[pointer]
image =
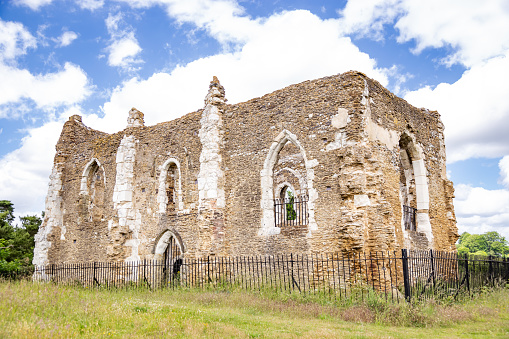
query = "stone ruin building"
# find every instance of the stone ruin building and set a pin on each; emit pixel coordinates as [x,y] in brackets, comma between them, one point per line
[338,164]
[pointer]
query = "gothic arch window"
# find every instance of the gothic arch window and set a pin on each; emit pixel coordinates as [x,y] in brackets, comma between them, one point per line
[407,185]
[414,191]
[169,194]
[286,171]
[92,191]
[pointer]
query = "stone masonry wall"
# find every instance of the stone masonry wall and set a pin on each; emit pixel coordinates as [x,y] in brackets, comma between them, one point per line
[337,140]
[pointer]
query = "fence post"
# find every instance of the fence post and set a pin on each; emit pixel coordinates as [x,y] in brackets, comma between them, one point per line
[208,269]
[490,270]
[406,277]
[94,281]
[467,273]
[506,266]
[432,268]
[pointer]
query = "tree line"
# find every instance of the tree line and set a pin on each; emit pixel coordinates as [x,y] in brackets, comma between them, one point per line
[16,241]
[489,243]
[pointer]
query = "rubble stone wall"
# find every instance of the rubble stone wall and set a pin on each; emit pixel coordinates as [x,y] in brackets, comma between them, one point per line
[356,151]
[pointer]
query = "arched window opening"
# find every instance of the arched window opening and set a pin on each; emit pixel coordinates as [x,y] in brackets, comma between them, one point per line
[407,185]
[290,203]
[169,194]
[170,188]
[414,193]
[93,190]
[286,165]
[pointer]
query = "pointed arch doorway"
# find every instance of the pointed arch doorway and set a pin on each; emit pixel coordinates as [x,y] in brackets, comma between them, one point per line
[169,249]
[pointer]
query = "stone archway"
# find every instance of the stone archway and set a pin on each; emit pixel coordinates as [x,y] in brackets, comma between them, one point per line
[267,183]
[92,191]
[169,194]
[169,250]
[164,239]
[414,193]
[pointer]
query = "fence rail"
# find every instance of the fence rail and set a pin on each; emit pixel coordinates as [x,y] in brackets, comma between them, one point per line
[395,275]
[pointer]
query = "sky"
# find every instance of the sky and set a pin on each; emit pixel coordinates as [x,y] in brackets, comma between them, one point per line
[99,58]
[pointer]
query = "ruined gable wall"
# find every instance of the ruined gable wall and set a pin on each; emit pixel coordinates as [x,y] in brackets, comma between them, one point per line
[177,139]
[395,114]
[347,127]
[307,111]
[81,239]
[73,240]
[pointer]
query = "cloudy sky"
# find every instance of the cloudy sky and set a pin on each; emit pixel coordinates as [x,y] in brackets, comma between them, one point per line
[100,58]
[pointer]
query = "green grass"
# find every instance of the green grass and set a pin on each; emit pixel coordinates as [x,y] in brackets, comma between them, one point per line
[42,310]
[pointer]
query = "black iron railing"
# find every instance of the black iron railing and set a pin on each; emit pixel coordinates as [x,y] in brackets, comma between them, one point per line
[394,275]
[291,211]
[409,218]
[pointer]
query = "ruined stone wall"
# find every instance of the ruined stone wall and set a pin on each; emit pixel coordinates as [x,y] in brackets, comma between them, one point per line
[210,178]
[395,114]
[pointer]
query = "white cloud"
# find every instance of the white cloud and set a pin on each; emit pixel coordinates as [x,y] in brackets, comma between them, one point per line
[33,4]
[24,172]
[289,47]
[475,29]
[123,51]
[504,171]
[473,110]
[36,4]
[223,19]
[368,17]
[63,88]
[67,38]
[112,22]
[14,40]
[90,4]
[124,46]
[479,210]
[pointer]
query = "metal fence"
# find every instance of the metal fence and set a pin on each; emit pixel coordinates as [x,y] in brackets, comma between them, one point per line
[396,276]
[291,211]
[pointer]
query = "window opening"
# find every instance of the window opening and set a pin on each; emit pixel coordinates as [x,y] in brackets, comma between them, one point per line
[93,191]
[170,188]
[409,218]
[289,209]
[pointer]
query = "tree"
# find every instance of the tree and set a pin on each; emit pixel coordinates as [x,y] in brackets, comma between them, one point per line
[490,243]
[6,218]
[290,210]
[16,243]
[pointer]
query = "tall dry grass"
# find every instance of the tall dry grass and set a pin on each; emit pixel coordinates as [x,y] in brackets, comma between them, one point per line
[29,310]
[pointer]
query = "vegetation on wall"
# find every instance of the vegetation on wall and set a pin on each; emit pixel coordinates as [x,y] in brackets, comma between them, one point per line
[489,243]
[16,242]
[290,210]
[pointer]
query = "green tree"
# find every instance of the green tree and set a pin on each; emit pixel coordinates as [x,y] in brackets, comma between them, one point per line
[490,243]
[16,243]
[290,210]
[495,243]
[463,250]
[6,219]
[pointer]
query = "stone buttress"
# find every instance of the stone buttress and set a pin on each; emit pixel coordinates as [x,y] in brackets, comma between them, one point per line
[211,176]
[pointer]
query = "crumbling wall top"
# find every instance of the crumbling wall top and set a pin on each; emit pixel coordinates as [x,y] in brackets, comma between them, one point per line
[216,95]
[135,118]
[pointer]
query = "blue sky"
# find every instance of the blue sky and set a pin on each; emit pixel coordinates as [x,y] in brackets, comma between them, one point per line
[100,58]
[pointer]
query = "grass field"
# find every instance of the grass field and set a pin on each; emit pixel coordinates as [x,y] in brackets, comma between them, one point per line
[40,310]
